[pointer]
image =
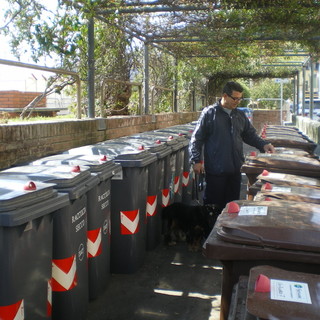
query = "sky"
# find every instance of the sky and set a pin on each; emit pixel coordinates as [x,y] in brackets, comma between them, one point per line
[16,78]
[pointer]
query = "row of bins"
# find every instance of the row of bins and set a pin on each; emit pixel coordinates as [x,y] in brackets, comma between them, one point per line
[69,220]
[269,243]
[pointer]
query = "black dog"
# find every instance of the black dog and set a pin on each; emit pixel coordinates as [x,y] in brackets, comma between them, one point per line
[187,222]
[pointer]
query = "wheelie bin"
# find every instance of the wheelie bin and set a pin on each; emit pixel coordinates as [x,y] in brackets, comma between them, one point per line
[128,202]
[69,282]
[99,214]
[188,179]
[177,143]
[251,233]
[26,212]
[156,191]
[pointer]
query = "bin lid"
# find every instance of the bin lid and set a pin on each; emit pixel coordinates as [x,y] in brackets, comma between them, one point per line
[175,141]
[275,293]
[180,130]
[294,142]
[284,161]
[293,151]
[100,165]
[23,192]
[74,180]
[290,193]
[122,153]
[156,146]
[276,224]
[289,179]
[174,135]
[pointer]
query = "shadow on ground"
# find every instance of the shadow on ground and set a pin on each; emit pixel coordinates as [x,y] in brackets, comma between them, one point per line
[172,284]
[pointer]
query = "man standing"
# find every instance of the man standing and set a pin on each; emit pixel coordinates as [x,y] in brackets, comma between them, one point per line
[220,133]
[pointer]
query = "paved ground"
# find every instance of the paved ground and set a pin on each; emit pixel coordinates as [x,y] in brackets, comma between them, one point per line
[172,284]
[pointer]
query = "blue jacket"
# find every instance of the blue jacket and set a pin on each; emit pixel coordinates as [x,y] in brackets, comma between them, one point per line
[221,138]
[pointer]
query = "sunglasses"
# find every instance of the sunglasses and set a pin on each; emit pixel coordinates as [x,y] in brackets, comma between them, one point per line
[234,99]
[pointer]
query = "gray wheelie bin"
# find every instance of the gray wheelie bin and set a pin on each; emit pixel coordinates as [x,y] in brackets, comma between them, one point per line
[128,202]
[156,192]
[26,212]
[69,283]
[99,214]
[188,182]
[177,143]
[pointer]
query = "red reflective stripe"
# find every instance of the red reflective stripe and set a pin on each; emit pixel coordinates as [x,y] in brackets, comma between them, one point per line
[64,274]
[129,221]
[165,197]
[12,312]
[94,243]
[151,205]
[185,178]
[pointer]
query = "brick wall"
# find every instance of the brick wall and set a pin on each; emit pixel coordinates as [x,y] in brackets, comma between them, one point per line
[27,141]
[261,117]
[20,143]
[19,99]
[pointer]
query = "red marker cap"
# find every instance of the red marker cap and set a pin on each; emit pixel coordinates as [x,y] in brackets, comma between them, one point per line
[262,284]
[233,207]
[75,169]
[268,186]
[30,186]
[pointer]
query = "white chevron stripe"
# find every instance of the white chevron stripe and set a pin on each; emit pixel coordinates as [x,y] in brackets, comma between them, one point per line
[176,185]
[151,207]
[130,225]
[64,279]
[165,199]
[185,180]
[93,246]
[20,312]
[49,293]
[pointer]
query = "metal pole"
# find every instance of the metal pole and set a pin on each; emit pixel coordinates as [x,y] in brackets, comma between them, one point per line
[281,101]
[298,93]
[175,95]
[91,95]
[146,78]
[311,99]
[294,102]
[54,70]
[303,89]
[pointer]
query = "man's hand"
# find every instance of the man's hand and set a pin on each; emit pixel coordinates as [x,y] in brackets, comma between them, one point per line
[268,148]
[198,168]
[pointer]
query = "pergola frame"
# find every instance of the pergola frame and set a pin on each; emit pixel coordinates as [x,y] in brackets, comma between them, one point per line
[163,38]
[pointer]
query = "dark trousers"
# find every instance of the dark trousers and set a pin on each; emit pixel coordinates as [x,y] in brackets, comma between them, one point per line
[221,189]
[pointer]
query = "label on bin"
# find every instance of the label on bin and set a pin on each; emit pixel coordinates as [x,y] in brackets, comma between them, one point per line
[80,219]
[118,176]
[281,189]
[291,291]
[129,221]
[253,211]
[13,311]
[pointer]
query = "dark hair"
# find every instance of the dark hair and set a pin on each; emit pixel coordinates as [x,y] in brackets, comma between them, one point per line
[232,86]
